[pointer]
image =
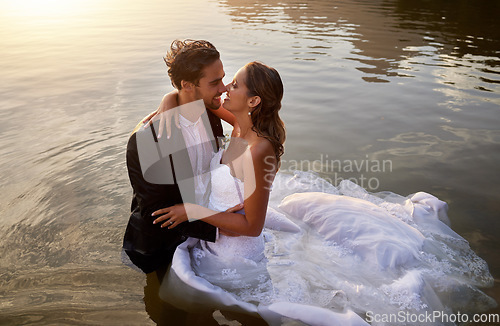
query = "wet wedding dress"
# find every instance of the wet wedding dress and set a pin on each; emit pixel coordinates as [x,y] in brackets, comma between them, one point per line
[331,256]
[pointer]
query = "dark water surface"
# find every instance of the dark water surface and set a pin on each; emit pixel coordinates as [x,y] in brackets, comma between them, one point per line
[414,84]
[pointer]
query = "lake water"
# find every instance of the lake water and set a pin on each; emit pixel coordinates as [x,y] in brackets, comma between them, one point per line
[409,89]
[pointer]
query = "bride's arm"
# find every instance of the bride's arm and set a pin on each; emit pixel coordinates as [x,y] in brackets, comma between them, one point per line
[224,115]
[164,113]
[259,171]
[229,118]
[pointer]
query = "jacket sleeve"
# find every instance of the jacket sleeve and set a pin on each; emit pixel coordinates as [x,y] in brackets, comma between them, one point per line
[150,197]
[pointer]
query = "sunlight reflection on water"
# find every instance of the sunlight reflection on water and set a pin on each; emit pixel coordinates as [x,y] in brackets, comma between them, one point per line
[416,83]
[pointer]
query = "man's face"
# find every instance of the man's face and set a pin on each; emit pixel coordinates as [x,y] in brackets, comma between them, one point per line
[210,86]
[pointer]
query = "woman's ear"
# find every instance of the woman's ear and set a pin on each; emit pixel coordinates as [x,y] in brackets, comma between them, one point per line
[253,101]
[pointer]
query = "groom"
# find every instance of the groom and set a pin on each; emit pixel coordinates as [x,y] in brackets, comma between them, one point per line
[196,70]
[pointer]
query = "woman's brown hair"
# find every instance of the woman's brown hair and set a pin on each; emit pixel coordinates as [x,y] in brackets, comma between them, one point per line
[265,82]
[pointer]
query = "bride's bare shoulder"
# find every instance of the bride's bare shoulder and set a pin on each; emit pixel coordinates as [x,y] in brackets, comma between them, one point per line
[261,149]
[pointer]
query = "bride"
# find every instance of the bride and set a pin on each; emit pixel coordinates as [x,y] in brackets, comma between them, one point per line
[307,251]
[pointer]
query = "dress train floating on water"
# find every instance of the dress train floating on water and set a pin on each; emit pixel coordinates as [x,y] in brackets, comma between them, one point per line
[338,256]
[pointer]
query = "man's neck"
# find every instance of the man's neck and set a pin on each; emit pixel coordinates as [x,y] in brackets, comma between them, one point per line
[191,112]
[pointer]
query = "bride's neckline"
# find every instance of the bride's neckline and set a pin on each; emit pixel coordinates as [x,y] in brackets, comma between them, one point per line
[228,166]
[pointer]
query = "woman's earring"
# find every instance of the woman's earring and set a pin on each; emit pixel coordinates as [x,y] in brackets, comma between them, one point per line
[249,113]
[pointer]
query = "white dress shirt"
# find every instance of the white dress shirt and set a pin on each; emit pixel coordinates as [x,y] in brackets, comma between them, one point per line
[200,154]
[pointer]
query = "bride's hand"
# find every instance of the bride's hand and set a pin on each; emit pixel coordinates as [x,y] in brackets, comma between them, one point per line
[168,108]
[177,214]
[235,208]
[173,215]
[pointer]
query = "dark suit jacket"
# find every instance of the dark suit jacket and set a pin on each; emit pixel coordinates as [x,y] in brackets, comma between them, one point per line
[149,246]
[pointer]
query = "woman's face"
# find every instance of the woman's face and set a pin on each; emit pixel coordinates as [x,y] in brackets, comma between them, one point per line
[237,93]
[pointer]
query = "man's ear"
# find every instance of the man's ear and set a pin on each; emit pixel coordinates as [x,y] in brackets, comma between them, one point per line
[253,101]
[189,86]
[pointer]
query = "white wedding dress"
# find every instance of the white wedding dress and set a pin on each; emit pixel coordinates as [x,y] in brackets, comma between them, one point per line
[331,256]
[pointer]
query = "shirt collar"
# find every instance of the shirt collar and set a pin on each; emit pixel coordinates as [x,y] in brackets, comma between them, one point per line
[188,123]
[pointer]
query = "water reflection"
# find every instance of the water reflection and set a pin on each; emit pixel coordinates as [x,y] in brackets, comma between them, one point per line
[459,167]
[413,81]
[449,148]
[385,35]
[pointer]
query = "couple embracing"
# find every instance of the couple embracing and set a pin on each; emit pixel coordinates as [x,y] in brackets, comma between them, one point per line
[218,196]
[210,212]
[186,186]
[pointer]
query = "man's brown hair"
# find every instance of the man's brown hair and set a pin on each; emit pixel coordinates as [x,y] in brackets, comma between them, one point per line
[186,60]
